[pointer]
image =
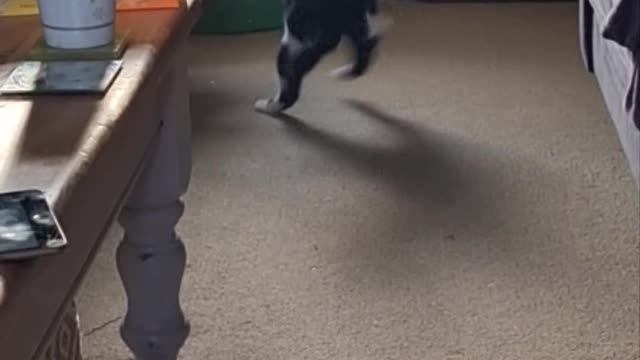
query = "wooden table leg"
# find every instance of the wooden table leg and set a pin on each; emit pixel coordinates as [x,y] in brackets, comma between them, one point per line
[151,258]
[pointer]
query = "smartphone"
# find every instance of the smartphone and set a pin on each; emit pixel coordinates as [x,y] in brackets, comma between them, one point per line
[28,227]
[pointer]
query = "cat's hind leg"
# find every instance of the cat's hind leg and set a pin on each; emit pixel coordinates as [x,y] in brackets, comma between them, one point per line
[364,35]
[295,60]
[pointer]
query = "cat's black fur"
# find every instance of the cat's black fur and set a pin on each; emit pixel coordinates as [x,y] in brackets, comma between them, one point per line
[314,28]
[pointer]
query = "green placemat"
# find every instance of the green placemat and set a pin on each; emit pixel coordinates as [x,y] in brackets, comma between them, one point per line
[113,51]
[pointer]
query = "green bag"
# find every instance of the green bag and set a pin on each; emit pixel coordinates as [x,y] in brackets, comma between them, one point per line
[240,16]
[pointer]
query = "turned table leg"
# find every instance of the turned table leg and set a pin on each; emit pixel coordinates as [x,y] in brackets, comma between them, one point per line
[151,258]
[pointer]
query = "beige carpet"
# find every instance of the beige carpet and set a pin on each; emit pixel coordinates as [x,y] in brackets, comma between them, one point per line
[466,200]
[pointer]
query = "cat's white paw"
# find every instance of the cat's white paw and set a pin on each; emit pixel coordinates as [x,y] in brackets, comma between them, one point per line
[342,73]
[268,106]
[379,24]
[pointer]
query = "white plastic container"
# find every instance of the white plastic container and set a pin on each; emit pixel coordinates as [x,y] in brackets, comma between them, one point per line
[77,24]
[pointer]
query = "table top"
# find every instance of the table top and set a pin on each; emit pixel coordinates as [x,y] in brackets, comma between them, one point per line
[84,152]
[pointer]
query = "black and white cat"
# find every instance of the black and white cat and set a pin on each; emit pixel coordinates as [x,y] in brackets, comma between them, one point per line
[314,28]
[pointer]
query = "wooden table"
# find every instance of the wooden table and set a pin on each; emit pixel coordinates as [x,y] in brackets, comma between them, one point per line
[121,156]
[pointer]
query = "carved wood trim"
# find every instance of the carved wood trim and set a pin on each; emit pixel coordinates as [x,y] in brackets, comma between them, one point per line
[65,343]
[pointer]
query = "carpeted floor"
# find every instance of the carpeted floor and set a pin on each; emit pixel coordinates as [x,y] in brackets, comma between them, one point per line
[466,200]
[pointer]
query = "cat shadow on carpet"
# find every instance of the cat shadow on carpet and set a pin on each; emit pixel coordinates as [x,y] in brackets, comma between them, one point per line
[426,167]
[432,205]
[447,186]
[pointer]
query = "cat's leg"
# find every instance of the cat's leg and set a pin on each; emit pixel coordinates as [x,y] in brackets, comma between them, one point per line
[363,51]
[364,35]
[295,60]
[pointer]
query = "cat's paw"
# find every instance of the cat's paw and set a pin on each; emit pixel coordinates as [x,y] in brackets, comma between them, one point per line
[379,24]
[344,73]
[268,106]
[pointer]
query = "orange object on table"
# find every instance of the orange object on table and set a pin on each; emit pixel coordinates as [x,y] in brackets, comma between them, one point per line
[30,7]
[124,5]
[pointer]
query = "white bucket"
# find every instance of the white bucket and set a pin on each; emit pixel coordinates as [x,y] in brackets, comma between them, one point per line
[77,24]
